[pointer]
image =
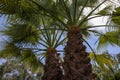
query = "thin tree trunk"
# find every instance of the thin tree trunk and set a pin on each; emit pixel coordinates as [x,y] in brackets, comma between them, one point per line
[52,70]
[76,62]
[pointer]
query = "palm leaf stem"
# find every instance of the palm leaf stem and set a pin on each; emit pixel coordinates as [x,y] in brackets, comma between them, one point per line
[80,13]
[50,12]
[82,21]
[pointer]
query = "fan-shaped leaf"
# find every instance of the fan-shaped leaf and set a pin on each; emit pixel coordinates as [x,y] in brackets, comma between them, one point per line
[103,60]
[109,37]
[10,50]
[22,33]
[29,58]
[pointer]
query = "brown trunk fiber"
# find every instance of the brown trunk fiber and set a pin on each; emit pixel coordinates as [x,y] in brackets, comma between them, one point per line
[76,62]
[52,70]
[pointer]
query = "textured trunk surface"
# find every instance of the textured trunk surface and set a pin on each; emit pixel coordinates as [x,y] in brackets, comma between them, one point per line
[76,62]
[52,70]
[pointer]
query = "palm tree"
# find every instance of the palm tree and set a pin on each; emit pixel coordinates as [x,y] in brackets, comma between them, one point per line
[28,28]
[25,44]
[70,16]
[28,34]
[51,39]
[25,39]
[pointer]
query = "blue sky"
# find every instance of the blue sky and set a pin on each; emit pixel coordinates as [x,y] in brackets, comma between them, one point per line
[111,49]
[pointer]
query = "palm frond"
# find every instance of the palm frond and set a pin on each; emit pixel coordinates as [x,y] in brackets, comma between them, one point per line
[90,13]
[109,38]
[51,38]
[29,58]
[50,11]
[103,60]
[22,33]
[10,50]
[105,11]
[115,16]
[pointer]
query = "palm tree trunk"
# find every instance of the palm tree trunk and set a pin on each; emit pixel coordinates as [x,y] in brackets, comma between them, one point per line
[52,70]
[76,62]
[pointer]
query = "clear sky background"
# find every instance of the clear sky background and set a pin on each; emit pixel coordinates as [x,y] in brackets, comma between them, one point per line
[111,49]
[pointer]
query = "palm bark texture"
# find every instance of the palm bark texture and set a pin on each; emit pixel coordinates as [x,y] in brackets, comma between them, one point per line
[52,69]
[77,64]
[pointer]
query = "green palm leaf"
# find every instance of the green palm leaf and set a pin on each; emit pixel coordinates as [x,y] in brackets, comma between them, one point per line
[115,16]
[30,59]
[103,60]
[10,50]
[109,38]
[22,33]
